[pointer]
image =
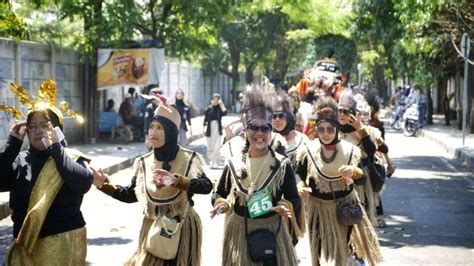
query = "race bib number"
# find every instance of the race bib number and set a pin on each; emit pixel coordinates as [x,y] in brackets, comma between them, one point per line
[260,203]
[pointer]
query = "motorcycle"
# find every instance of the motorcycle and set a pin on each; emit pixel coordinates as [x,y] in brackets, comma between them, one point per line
[409,121]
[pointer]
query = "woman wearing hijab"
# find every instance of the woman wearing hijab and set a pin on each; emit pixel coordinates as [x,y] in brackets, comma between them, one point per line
[327,167]
[164,182]
[251,191]
[353,111]
[185,113]
[47,183]
[283,122]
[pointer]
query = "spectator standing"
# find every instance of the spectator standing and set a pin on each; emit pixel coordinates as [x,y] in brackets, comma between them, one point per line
[213,128]
[185,112]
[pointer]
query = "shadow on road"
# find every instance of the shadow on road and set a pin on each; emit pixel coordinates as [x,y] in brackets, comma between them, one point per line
[103,241]
[426,203]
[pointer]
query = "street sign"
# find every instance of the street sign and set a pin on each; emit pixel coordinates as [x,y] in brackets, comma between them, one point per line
[465,47]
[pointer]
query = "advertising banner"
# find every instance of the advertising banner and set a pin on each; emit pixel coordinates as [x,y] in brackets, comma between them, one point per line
[129,67]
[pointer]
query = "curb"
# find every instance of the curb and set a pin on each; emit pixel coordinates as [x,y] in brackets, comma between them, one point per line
[445,146]
[463,155]
[466,157]
[5,210]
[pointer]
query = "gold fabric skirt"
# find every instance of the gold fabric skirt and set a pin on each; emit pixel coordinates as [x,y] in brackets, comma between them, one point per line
[68,248]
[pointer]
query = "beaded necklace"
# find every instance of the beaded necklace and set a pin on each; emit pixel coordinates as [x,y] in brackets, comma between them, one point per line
[259,172]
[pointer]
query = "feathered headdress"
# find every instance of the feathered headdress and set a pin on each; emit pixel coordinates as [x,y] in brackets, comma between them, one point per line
[45,99]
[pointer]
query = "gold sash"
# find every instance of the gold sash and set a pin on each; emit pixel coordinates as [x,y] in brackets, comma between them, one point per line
[44,192]
[47,186]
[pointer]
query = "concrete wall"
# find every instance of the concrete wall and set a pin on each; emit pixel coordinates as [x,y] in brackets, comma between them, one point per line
[29,64]
[198,87]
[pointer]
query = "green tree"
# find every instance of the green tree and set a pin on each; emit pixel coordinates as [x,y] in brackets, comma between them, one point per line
[333,46]
[11,25]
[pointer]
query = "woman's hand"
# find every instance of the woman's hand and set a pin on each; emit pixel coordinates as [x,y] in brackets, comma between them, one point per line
[282,211]
[221,208]
[304,192]
[50,136]
[18,130]
[355,122]
[100,178]
[163,177]
[346,171]
[228,132]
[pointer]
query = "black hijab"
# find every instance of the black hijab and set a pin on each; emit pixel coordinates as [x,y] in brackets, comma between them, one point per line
[290,123]
[346,128]
[336,126]
[170,149]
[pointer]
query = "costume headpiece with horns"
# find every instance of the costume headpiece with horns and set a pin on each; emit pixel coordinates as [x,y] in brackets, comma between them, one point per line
[44,100]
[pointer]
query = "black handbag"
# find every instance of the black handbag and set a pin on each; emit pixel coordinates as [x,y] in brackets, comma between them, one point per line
[377,173]
[348,213]
[262,243]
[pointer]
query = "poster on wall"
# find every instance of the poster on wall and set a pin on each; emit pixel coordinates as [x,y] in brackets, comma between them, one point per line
[129,67]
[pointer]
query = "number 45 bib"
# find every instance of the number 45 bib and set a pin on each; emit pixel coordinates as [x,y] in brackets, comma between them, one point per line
[259,203]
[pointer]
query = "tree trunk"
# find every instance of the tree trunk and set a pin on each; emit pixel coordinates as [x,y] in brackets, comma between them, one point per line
[429,107]
[457,88]
[235,61]
[444,100]
[249,77]
[92,94]
[379,78]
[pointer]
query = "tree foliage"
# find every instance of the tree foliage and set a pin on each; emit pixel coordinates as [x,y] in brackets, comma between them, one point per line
[11,25]
[333,46]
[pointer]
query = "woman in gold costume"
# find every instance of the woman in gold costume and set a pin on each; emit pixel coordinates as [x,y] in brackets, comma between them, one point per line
[47,183]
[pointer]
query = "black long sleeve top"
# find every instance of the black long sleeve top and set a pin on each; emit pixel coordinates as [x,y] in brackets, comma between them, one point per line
[20,172]
[287,190]
[199,185]
[213,112]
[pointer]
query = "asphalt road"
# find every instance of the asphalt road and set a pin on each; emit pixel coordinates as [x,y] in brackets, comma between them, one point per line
[428,204]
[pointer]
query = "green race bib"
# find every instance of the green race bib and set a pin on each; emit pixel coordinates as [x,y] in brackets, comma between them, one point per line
[260,203]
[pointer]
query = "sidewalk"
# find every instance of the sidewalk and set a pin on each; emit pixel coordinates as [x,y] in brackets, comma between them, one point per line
[114,157]
[449,137]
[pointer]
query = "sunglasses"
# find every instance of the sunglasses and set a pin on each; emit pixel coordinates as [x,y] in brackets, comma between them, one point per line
[346,111]
[329,130]
[34,128]
[279,115]
[265,128]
